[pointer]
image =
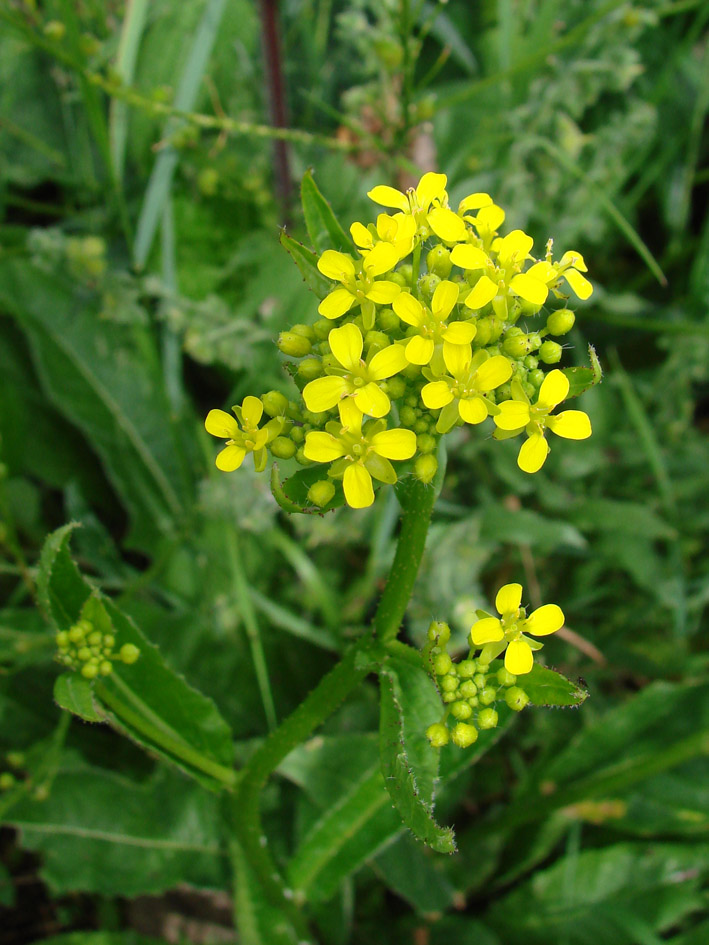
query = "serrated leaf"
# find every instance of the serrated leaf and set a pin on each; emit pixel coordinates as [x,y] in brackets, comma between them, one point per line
[323,227]
[75,694]
[583,378]
[546,687]
[306,261]
[409,703]
[147,701]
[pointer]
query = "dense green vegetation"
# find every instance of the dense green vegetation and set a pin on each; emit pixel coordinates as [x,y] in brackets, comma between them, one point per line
[142,283]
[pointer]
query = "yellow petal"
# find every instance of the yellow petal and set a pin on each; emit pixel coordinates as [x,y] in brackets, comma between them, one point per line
[543,271]
[571,424]
[513,415]
[230,458]
[395,444]
[384,293]
[436,394]
[323,447]
[336,303]
[474,202]
[387,362]
[487,630]
[447,225]
[469,257]
[361,236]
[357,484]
[251,411]
[457,358]
[380,468]
[554,389]
[336,265]
[460,333]
[490,218]
[350,416]
[431,187]
[493,372]
[419,350]
[324,392]
[260,439]
[509,598]
[388,197]
[371,400]
[381,259]
[514,248]
[408,309]
[544,620]
[444,298]
[581,286]
[518,658]
[220,423]
[533,453]
[572,258]
[529,288]
[346,344]
[472,409]
[484,291]
[386,227]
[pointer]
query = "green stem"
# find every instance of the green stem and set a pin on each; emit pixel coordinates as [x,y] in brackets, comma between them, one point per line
[416,500]
[415,268]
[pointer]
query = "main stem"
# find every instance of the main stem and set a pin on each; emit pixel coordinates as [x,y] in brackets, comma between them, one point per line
[417,504]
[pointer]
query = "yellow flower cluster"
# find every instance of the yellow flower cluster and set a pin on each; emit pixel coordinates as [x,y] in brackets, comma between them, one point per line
[418,334]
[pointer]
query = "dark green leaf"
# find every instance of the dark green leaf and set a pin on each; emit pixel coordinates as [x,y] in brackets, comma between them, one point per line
[613,515]
[582,378]
[545,687]
[415,874]
[259,922]
[306,261]
[75,694]
[409,704]
[324,229]
[523,526]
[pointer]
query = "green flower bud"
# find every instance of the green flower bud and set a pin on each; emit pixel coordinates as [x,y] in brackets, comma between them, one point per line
[15,759]
[293,345]
[487,718]
[297,434]
[76,633]
[466,669]
[468,689]
[550,352]
[536,378]
[480,679]
[274,403]
[530,362]
[109,641]
[428,285]
[330,361]
[439,633]
[411,371]
[407,416]
[484,331]
[7,781]
[437,735]
[535,341]
[515,346]
[464,735]
[449,696]
[505,677]
[55,30]
[388,320]
[442,664]
[516,698]
[128,653]
[425,467]
[84,654]
[283,447]
[62,640]
[406,271]
[561,322]
[396,387]
[301,458]
[322,328]
[95,638]
[89,670]
[503,392]
[321,492]
[439,262]
[398,279]
[461,711]
[305,331]
[376,340]
[488,695]
[421,425]
[105,668]
[448,683]
[425,443]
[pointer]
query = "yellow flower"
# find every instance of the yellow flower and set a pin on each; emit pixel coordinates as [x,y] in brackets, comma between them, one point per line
[430,324]
[242,437]
[513,416]
[512,625]
[570,268]
[399,231]
[359,379]
[426,205]
[358,455]
[359,285]
[462,394]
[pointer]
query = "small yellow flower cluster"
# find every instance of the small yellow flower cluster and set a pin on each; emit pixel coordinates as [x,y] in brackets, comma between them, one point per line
[90,651]
[402,354]
[470,688]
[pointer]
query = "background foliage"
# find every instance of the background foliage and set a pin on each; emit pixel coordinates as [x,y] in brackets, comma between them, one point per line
[141,283]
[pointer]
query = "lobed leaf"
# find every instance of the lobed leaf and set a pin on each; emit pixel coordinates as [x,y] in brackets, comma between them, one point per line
[323,227]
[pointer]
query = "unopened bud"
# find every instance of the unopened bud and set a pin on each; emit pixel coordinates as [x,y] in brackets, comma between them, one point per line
[396,387]
[505,677]
[129,653]
[464,735]
[293,345]
[388,320]
[561,322]
[437,735]
[428,285]
[274,403]
[515,346]
[550,352]
[305,331]
[425,467]
[439,262]
[516,698]
[461,711]
[442,664]
[487,718]
[321,492]
[283,447]
[439,633]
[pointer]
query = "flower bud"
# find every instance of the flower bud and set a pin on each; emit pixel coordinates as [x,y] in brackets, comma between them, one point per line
[466,669]
[128,653]
[461,711]
[297,434]
[505,677]
[310,368]
[487,718]
[468,689]
[274,403]
[105,668]
[550,352]
[442,664]
[439,262]
[7,781]
[301,458]
[449,696]
[425,467]
[561,322]
[406,272]
[536,378]
[283,447]
[484,331]
[425,443]
[54,29]
[448,683]
[305,331]
[439,633]
[488,695]
[398,279]
[396,387]
[464,735]
[535,342]
[407,416]
[89,670]
[321,492]
[293,345]
[76,633]
[375,340]
[428,285]
[437,735]
[480,679]
[516,698]
[515,346]
[388,320]
[322,328]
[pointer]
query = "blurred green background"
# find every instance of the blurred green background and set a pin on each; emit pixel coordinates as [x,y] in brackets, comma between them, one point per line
[141,283]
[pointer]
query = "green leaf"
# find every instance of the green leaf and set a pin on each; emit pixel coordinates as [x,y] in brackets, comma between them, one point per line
[613,515]
[413,873]
[146,700]
[306,261]
[523,526]
[259,922]
[582,378]
[324,229]
[75,694]
[296,487]
[545,687]
[409,704]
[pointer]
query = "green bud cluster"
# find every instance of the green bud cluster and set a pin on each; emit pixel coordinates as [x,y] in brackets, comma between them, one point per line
[469,690]
[90,651]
